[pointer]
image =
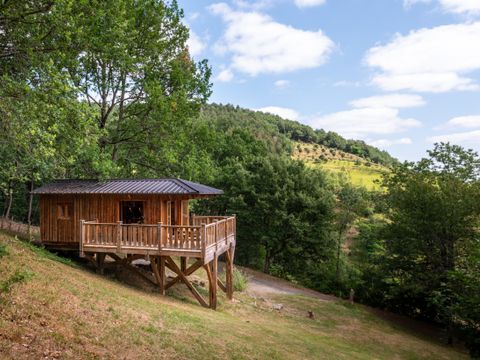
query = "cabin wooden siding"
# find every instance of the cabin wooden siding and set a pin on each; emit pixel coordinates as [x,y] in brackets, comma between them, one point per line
[104,208]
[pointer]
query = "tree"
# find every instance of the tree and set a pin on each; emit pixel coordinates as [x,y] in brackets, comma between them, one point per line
[284,211]
[434,214]
[351,204]
[134,68]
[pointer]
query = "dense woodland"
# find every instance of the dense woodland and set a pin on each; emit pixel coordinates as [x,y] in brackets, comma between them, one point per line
[105,89]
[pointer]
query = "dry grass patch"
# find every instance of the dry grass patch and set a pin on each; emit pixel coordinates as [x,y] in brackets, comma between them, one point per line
[65,311]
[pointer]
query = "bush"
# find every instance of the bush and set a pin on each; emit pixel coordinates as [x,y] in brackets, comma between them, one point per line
[18,277]
[240,280]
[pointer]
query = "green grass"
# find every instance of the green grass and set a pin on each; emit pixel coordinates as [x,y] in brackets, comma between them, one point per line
[355,169]
[75,313]
[19,276]
[360,175]
[3,250]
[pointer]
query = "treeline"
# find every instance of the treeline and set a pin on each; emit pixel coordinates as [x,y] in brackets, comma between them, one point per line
[300,132]
[105,89]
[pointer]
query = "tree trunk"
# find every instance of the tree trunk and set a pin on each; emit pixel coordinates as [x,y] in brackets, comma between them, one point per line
[30,203]
[9,201]
[339,251]
[266,264]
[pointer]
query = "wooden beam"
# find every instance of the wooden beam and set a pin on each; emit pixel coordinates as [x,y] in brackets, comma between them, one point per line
[221,285]
[183,263]
[208,270]
[229,272]
[162,274]
[155,268]
[194,267]
[100,257]
[214,281]
[173,266]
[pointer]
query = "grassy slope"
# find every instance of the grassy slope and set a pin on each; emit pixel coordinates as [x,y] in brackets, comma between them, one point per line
[353,167]
[65,311]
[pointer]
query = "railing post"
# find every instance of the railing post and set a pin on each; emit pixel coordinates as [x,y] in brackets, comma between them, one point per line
[226,231]
[203,240]
[119,235]
[216,235]
[159,235]
[82,237]
[234,228]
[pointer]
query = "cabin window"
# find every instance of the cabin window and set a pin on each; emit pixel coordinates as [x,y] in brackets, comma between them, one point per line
[171,213]
[132,212]
[64,211]
[185,213]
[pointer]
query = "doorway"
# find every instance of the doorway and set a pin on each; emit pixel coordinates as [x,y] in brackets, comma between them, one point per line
[132,212]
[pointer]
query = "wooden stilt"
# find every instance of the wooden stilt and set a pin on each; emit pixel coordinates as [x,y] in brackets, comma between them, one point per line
[213,283]
[100,257]
[162,275]
[183,263]
[208,270]
[229,273]
[154,264]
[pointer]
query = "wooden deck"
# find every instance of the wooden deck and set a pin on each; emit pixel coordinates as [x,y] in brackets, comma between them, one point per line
[207,237]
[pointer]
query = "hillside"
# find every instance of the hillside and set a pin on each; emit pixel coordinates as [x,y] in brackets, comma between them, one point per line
[356,169]
[354,160]
[274,125]
[52,308]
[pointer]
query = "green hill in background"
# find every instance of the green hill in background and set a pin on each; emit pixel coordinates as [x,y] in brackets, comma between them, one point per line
[356,161]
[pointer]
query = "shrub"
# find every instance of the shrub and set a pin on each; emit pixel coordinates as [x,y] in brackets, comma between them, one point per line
[240,280]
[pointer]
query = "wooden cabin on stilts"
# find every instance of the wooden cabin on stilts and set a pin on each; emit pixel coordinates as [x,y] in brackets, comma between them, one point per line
[135,219]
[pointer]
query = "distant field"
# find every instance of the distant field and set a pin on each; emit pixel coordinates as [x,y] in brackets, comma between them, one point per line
[356,169]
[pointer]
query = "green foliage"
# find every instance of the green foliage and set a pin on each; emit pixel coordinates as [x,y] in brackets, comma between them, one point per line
[18,277]
[283,209]
[432,238]
[240,280]
[3,250]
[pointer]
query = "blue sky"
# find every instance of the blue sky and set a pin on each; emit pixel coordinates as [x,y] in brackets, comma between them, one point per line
[399,74]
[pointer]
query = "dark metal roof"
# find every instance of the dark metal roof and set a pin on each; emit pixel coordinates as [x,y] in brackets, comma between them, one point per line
[127,186]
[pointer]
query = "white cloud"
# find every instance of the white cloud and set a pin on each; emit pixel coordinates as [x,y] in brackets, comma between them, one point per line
[281,83]
[460,138]
[428,60]
[466,122]
[195,44]
[409,3]
[345,83]
[258,44]
[253,5]
[225,75]
[385,143]
[461,6]
[309,3]
[361,123]
[467,7]
[424,82]
[285,113]
[396,101]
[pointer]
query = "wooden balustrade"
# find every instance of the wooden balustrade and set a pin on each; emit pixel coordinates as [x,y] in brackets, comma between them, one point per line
[197,240]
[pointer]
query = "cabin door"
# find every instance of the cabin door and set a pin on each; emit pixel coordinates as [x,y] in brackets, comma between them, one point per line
[64,222]
[132,212]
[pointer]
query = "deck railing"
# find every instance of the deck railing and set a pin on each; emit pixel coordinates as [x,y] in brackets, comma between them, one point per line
[207,234]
